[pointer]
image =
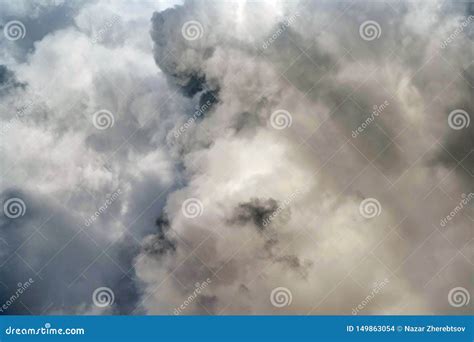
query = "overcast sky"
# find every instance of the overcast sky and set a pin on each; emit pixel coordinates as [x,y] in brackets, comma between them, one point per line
[300,157]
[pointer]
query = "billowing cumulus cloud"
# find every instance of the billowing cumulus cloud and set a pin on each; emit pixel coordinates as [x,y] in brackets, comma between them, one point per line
[238,157]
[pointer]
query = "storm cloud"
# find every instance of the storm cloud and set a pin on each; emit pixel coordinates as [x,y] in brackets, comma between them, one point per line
[321,144]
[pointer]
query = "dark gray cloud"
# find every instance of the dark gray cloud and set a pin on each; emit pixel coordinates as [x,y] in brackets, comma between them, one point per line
[40,18]
[331,81]
[48,110]
[274,120]
[256,211]
[8,80]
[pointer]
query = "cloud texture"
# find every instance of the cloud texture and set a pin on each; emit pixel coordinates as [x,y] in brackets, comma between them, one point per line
[311,146]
